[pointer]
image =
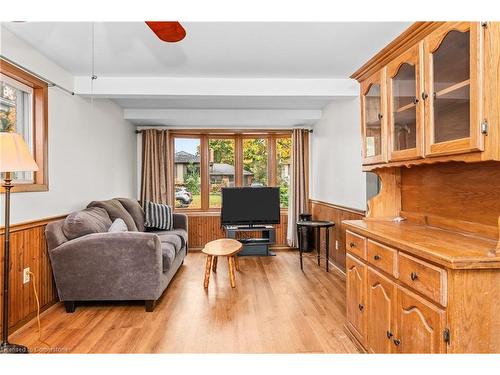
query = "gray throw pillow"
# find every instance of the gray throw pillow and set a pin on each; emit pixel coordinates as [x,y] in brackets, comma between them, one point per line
[116,210]
[159,216]
[135,210]
[118,226]
[87,221]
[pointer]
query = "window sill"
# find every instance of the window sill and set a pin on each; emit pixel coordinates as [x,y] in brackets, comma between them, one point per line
[26,188]
[209,212]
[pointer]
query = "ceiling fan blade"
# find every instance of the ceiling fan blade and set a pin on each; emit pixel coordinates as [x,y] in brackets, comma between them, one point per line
[168,31]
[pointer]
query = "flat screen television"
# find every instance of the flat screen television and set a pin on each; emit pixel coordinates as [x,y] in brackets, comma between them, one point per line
[250,206]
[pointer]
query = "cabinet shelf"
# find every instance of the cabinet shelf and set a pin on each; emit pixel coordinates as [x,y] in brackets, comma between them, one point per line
[455,87]
[405,107]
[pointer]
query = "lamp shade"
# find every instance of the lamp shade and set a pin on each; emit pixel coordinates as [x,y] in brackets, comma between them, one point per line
[15,155]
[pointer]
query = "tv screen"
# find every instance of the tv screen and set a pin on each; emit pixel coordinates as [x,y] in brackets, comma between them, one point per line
[250,206]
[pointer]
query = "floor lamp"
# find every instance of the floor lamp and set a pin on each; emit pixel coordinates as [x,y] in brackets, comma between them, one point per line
[14,157]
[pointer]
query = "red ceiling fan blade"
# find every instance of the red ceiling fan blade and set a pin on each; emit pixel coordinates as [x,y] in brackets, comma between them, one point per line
[168,31]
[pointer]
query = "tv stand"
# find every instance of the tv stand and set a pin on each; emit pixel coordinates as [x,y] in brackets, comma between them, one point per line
[253,245]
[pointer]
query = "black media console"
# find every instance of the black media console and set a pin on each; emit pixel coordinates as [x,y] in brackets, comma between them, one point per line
[252,245]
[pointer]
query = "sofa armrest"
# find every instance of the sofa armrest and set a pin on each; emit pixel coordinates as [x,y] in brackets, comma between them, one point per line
[108,266]
[180,221]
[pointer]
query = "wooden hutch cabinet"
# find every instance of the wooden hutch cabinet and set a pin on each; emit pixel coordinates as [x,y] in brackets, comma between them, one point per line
[425,99]
[423,266]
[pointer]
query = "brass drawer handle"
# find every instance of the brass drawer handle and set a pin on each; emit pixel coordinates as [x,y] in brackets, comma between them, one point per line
[377,257]
[413,276]
[397,342]
[361,307]
[352,244]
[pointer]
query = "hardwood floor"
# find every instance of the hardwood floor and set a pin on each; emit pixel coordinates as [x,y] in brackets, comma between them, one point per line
[275,308]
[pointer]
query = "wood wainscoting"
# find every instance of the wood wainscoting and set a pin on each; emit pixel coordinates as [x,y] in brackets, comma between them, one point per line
[205,227]
[28,248]
[327,211]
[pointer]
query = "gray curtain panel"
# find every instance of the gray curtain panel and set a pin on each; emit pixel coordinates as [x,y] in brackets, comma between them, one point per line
[156,167]
[299,190]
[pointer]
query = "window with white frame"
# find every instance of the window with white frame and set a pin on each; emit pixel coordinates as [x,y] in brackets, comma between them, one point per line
[16,115]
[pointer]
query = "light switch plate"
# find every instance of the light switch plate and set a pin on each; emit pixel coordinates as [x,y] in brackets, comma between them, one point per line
[26,275]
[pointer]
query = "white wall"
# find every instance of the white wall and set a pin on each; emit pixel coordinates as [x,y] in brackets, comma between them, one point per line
[336,175]
[92,149]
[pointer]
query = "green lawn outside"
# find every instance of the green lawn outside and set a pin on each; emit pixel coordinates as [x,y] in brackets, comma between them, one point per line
[215,201]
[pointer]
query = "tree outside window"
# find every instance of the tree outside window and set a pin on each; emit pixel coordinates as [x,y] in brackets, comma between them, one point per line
[283,164]
[255,162]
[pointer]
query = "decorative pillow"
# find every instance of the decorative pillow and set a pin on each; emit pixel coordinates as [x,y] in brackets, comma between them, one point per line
[159,216]
[118,226]
[115,211]
[87,221]
[135,210]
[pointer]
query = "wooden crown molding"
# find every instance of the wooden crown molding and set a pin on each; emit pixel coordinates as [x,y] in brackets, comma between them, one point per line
[412,35]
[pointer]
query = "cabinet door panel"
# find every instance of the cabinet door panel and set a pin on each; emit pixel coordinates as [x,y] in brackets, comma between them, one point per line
[453,87]
[356,304]
[420,325]
[405,108]
[380,313]
[373,118]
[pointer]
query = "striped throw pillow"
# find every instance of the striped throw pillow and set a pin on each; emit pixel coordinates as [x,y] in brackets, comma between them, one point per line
[159,216]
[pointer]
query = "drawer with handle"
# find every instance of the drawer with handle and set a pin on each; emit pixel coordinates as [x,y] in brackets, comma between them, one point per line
[423,277]
[382,257]
[355,244]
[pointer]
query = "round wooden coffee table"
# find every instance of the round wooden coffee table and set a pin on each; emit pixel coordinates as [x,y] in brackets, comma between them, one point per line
[224,247]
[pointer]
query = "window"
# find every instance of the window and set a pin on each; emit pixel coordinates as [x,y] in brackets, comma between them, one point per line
[255,171]
[221,168]
[23,110]
[205,163]
[16,106]
[283,164]
[187,175]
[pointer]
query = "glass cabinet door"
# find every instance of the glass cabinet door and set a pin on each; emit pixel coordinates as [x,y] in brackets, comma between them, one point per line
[453,70]
[373,119]
[405,109]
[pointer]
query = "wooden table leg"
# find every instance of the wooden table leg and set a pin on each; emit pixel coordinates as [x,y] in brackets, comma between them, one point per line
[208,264]
[214,264]
[236,262]
[231,271]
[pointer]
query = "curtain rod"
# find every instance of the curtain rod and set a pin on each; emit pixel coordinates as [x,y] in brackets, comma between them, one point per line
[48,81]
[138,131]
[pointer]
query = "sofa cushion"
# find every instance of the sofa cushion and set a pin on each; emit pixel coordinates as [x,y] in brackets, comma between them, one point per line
[135,210]
[159,216]
[172,239]
[167,255]
[118,226]
[115,210]
[178,237]
[87,221]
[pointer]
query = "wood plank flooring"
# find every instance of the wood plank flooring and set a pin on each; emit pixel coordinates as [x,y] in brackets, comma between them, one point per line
[275,308]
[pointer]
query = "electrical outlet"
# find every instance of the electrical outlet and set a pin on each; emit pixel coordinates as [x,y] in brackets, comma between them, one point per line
[26,275]
[336,245]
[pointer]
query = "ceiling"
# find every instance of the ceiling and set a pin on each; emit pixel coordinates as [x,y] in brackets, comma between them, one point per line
[227,73]
[212,49]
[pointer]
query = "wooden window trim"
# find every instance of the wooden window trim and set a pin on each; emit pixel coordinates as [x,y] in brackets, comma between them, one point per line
[40,126]
[237,136]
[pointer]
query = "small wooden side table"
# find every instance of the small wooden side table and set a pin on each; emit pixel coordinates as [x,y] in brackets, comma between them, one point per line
[224,247]
[316,226]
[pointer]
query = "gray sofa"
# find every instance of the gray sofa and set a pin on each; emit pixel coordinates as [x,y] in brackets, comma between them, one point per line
[91,264]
